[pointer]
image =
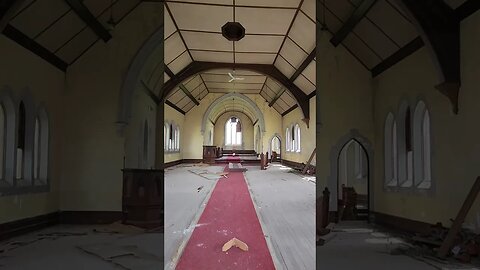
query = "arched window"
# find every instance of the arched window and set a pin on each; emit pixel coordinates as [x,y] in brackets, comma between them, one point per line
[421,146]
[233,132]
[405,149]
[297,138]
[165,137]
[21,140]
[3,129]
[177,138]
[41,148]
[293,145]
[390,151]
[287,140]
[170,137]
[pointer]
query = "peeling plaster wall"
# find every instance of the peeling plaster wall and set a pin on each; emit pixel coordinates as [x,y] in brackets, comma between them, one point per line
[455,140]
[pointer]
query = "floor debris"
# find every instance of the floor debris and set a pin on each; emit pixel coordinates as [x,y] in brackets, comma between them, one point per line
[119,228]
[129,256]
[234,242]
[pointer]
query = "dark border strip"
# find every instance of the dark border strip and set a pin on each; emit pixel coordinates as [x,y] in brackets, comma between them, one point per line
[400,224]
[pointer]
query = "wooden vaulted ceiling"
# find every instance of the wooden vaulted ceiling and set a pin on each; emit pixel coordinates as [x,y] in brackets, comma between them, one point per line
[278,33]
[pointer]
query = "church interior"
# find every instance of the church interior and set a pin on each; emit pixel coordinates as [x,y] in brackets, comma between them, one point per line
[239,134]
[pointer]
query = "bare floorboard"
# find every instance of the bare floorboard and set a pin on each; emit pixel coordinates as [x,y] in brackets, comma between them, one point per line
[286,207]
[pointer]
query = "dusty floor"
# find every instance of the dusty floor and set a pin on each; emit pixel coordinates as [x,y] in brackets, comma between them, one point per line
[64,247]
[360,246]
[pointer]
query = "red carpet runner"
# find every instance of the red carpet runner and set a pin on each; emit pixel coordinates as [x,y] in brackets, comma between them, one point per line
[229,213]
[233,159]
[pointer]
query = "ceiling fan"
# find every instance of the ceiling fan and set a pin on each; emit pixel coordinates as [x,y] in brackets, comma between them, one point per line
[233,78]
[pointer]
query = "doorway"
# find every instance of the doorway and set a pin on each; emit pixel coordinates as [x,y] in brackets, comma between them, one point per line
[353,180]
[275,149]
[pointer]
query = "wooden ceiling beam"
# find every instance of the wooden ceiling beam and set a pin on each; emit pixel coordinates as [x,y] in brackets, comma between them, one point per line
[181,86]
[440,30]
[31,45]
[467,8]
[398,56]
[269,70]
[82,11]
[352,21]
[295,75]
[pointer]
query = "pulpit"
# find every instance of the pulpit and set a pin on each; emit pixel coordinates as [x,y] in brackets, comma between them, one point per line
[209,154]
[142,200]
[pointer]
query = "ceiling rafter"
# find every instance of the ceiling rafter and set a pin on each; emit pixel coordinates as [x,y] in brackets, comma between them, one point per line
[31,45]
[398,56]
[441,33]
[269,70]
[82,11]
[297,73]
[352,21]
[297,10]
[181,86]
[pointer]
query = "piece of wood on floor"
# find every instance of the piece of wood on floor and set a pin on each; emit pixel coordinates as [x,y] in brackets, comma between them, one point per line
[234,242]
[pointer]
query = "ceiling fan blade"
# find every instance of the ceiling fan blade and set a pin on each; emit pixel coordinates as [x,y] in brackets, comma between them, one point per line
[240,79]
[232,79]
[231,76]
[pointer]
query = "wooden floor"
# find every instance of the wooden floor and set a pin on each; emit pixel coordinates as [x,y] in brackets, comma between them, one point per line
[284,203]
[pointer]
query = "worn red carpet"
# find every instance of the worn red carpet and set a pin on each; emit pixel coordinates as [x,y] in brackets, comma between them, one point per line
[229,213]
[233,159]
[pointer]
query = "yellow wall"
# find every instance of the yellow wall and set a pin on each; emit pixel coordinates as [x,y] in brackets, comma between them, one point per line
[94,151]
[23,71]
[454,138]
[178,119]
[307,134]
[192,148]
[344,98]
[247,130]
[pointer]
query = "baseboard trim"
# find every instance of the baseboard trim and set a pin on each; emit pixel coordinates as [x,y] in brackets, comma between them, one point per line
[172,163]
[401,224]
[26,225]
[90,217]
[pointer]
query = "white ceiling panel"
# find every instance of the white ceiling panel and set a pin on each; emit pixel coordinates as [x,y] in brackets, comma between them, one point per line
[43,12]
[292,53]
[200,17]
[255,43]
[265,21]
[375,39]
[254,58]
[284,67]
[212,56]
[309,8]
[207,41]
[304,84]
[180,62]
[169,25]
[269,3]
[173,47]
[75,48]
[303,33]
[59,33]
[365,54]
[310,72]
[97,6]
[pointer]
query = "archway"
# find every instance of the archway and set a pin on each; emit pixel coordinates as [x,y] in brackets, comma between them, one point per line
[335,152]
[275,148]
[353,182]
